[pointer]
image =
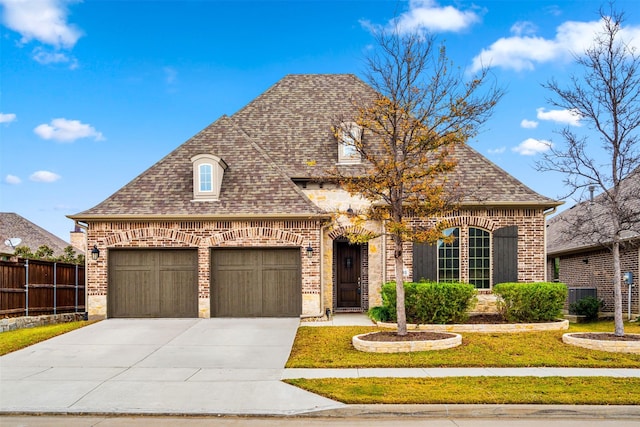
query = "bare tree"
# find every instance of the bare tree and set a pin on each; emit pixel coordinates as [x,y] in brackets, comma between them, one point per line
[406,137]
[606,97]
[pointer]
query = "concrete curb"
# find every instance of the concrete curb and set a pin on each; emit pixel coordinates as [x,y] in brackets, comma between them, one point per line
[481,411]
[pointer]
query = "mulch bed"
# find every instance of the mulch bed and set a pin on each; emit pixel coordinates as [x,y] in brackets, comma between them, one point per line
[607,336]
[411,336]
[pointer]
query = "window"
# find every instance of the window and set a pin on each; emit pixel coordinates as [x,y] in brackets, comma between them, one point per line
[208,171]
[479,258]
[350,135]
[205,178]
[449,257]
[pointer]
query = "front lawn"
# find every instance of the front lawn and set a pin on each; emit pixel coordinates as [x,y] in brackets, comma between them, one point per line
[330,347]
[477,390]
[21,338]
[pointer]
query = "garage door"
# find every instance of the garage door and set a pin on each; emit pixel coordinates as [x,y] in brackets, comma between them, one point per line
[153,283]
[256,282]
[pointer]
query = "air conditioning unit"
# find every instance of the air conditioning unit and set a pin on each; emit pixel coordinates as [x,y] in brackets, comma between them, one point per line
[576,294]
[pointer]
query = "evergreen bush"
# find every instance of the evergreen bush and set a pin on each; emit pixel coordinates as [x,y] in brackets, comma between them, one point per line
[531,302]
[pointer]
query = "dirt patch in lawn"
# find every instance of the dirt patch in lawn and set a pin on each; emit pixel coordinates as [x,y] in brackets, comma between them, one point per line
[386,336]
[608,336]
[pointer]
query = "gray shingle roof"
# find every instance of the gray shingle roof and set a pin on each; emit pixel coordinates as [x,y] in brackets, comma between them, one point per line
[252,185]
[564,236]
[13,225]
[284,133]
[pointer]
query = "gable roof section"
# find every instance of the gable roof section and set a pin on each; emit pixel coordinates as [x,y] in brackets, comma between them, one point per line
[252,185]
[282,135]
[484,183]
[13,225]
[292,120]
[560,237]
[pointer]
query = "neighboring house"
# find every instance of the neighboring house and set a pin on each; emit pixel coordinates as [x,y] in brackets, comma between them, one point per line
[13,226]
[586,265]
[243,220]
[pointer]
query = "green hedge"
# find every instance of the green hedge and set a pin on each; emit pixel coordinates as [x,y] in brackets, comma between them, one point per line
[428,302]
[531,302]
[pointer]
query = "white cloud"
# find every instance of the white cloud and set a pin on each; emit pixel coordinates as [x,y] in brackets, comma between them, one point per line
[523,27]
[41,20]
[523,52]
[569,117]
[528,124]
[531,147]
[497,150]
[12,179]
[170,75]
[7,118]
[44,57]
[44,176]
[64,130]
[430,16]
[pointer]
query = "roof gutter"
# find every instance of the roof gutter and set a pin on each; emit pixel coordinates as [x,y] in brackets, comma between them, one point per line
[164,217]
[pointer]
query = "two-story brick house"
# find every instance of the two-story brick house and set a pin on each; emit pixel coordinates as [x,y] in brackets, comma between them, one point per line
[243,219]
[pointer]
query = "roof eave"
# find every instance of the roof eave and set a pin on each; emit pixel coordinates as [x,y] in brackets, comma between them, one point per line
[164,217]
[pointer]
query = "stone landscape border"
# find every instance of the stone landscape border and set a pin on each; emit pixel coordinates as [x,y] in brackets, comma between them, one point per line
[405,346]
[602,345]
[560,325]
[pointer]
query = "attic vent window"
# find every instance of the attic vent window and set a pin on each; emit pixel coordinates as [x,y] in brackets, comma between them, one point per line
[349,134]
[208,171]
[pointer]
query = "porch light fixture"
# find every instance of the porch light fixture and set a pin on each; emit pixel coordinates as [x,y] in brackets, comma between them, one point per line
[95,253]
[309,251]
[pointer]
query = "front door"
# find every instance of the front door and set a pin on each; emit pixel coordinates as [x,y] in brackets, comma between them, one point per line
[348,268]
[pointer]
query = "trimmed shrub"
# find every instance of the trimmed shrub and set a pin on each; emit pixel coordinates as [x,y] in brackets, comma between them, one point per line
[431,302]
[531,302]
[588,306]
[379,313]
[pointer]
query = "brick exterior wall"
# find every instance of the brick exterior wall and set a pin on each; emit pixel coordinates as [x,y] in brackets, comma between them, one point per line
[531,240]
[597,272]
[317,280]
[203,235]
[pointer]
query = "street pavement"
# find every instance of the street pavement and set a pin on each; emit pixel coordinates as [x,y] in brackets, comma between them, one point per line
[224,367]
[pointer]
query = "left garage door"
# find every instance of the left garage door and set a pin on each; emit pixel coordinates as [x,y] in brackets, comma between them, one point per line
[152,283]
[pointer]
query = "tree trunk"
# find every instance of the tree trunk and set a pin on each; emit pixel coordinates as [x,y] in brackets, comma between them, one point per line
[401,311]
[617,290]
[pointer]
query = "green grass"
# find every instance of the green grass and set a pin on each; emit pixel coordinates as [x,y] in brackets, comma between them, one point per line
[330,347]
[21,338]
[478,390]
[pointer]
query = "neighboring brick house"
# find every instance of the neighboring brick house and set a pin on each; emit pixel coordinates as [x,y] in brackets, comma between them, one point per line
[243,220]
[586,265]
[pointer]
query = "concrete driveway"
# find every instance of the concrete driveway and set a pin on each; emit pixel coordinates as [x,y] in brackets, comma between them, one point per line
[159,366]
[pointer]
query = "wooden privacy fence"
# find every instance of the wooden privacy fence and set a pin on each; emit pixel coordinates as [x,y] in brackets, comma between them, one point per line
[35,287]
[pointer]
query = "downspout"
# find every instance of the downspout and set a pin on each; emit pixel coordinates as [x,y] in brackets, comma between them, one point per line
[322,309]
[546,261]
[85,227]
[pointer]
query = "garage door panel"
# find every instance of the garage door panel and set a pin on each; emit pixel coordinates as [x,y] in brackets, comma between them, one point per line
[278,296]
[153,283]
[176,288]
[255,282]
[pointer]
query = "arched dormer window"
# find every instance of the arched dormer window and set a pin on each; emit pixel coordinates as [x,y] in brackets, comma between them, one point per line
[208,171]
[349,135]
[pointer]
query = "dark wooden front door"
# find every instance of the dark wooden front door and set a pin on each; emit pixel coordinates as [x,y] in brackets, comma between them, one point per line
[348,270]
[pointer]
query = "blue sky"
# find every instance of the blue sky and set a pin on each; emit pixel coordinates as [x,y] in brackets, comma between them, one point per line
[95,92]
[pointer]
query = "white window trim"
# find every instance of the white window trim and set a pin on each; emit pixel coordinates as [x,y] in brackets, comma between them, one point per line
[349,131]
[218,166]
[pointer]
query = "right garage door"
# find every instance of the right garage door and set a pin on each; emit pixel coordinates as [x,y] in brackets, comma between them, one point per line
[256,282]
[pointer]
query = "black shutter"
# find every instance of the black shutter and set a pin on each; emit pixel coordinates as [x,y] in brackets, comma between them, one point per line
[505,249]
[425,262]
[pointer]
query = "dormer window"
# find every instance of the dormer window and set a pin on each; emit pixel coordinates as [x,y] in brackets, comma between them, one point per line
[350,134]
[208,171]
